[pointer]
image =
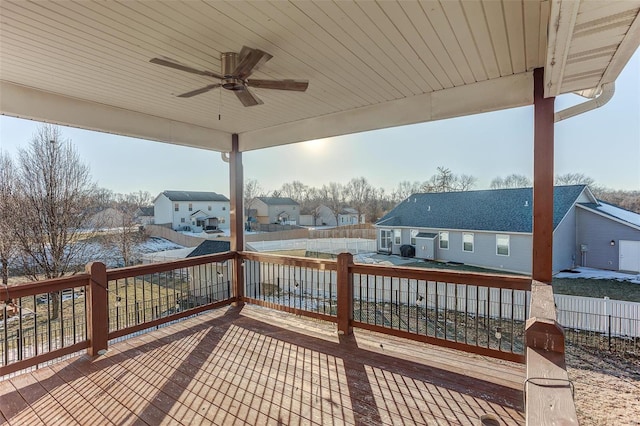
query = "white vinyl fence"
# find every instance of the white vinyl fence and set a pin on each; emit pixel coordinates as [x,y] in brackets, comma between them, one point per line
[612,317]
[617,317]
[322,245]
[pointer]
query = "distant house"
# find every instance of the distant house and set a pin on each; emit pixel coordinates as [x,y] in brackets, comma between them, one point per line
[493,229]
[349,216]
[191,210]
[108,218]
[145,216]
[280,210]
[324,216]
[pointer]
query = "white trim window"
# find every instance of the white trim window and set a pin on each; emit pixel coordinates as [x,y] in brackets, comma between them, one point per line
[503,244]
[397,237]
[443,240]
[385,239]
[414,232]
[467,242]
[176,207]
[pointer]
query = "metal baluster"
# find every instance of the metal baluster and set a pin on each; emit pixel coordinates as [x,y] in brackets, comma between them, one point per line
[477,342]
[455,313]
[49,296]
[61,320]
[466,312]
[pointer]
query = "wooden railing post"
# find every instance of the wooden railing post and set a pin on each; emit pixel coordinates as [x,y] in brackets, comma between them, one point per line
[345,294]
[97,315]
[548,391]
[542,331]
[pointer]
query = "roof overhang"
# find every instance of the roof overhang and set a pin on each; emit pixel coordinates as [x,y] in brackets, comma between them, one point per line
[371,65]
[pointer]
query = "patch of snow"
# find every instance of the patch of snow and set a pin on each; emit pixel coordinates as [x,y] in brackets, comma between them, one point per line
[155,244]
[599,274]
[166,255]
[622,214]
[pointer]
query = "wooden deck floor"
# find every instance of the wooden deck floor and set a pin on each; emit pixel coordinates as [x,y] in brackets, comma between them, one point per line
[257,366]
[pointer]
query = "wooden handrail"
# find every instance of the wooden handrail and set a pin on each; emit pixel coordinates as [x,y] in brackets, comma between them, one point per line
[303,262]
[488,280]
[45,286]
[152,268]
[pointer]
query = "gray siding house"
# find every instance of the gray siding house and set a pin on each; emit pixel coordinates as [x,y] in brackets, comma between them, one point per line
[608,237]
[493,229]
[281,210]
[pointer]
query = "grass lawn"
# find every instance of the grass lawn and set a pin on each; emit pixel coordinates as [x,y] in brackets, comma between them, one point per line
[456,267]
[598,288]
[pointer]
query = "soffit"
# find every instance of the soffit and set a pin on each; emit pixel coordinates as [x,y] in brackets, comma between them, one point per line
[370,64]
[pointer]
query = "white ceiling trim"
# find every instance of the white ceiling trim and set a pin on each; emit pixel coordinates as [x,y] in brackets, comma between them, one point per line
[23,102]
[491,95]
[561,24]
[623,54]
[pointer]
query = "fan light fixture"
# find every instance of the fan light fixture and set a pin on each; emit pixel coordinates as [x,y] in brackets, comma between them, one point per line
[236,69]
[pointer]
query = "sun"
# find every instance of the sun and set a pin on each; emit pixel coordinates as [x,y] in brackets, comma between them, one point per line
[316,146]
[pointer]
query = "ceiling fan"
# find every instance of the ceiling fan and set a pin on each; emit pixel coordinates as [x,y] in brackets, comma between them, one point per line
[236,69]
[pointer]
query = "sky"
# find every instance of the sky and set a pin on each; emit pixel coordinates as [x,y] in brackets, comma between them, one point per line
[603,144]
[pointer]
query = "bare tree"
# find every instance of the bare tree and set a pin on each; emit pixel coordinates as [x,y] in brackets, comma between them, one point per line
[446,181]
[466,182]
[357,193]
[251,190]
[511,181]
[332,196]
[7,214]
[405,189]
[104,198]
[56,196]
[124,232]
[574,179]
[379,203]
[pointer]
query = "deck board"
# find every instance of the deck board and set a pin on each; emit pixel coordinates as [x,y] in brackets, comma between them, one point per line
[258,366]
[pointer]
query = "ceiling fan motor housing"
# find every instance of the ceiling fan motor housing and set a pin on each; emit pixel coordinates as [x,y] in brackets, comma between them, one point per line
[229,64]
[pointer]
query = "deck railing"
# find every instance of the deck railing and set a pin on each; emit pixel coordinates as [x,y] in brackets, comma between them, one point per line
[298,285]
[478,313]
[148,295]
[42,321]
[45,320]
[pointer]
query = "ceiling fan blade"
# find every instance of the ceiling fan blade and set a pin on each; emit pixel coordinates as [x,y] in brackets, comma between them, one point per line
[297,85]
[177,65]
[253,58]
[247,98]
[198,91]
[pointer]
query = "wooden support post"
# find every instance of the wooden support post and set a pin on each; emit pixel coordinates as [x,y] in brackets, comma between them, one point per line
[542,264]
[237,218]
[97,309]
[345,294]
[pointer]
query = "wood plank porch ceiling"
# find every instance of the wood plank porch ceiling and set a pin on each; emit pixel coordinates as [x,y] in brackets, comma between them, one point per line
[262,367]
[371,64]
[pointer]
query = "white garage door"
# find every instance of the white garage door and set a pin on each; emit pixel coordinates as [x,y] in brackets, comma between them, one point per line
[629,256]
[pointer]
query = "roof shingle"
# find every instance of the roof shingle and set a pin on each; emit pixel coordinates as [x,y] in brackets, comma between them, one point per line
[278,201]
[194,196]
[502,210]
[210,247]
